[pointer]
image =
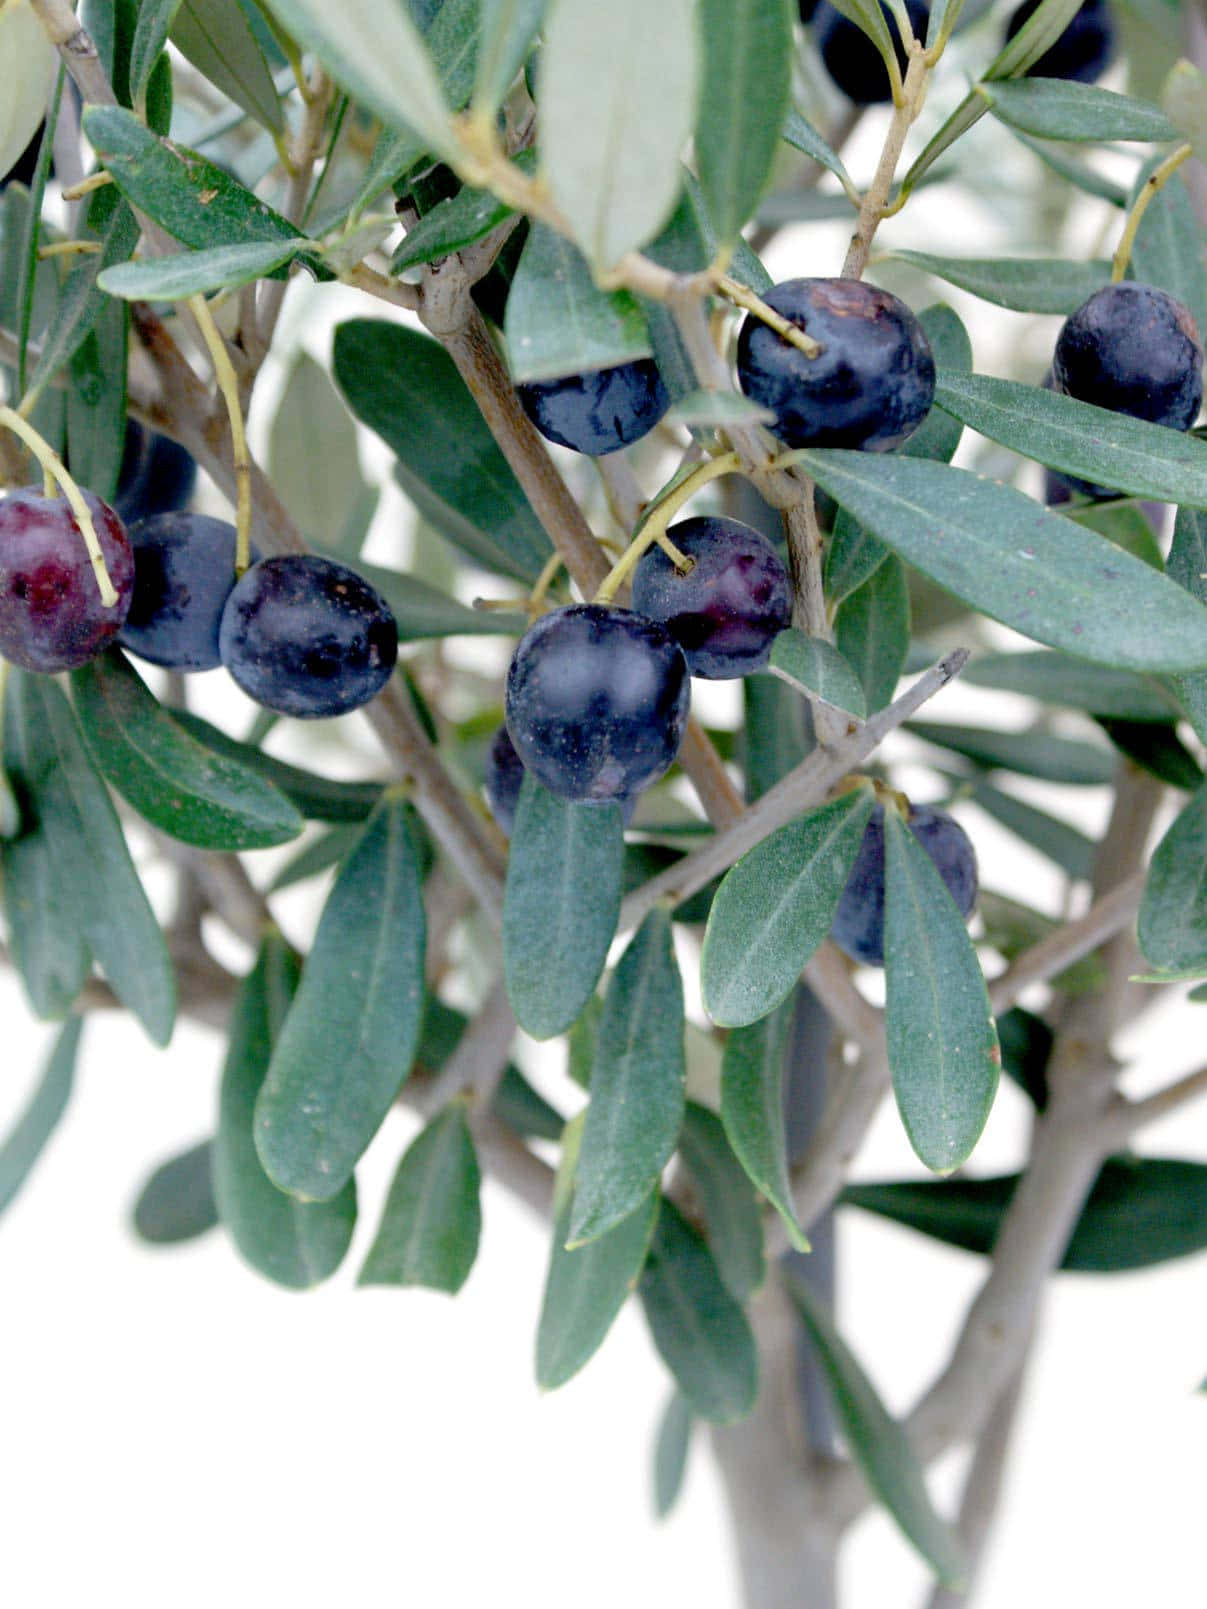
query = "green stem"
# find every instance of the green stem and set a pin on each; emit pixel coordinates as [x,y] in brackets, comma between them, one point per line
[654,528]
[1152,185]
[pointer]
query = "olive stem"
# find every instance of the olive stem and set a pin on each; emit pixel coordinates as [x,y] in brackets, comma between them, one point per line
[55,473]
[875,201]
[741,296]
[228,385]
[657,521]
[1155,182]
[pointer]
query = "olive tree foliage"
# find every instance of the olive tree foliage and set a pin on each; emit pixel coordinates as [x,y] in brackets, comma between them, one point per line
[536,188]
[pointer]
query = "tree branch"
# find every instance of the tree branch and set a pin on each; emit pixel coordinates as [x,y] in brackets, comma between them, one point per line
[806,785]
[74,44]
[1104,919]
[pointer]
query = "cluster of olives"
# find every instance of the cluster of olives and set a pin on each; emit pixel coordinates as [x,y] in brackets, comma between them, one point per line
[301,635]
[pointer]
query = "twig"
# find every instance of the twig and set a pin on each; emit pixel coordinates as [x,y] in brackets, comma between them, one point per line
[478,1062]
[806,785]
[805,548]
[74,44]
[1104,919]
[876,198]
[1132,1116]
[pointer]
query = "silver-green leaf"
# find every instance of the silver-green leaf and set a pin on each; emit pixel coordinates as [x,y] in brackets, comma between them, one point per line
[744,98]
[618,100]
[638,1082]
[560,906]
[1016,562]
[432,1218]
[752,1110]
[774,907]
[349,1039]
[877,1443]
[942,1042]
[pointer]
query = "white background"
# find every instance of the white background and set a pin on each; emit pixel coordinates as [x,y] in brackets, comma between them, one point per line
[174,1430]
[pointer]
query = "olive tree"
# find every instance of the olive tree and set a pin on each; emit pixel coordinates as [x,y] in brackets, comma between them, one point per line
[562,207]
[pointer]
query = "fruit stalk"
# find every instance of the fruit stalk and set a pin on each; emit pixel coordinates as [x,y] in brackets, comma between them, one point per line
[228,385]
[1155,182]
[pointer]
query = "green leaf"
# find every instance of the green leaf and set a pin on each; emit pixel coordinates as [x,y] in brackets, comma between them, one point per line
[729,1204]
[1136,457]
[872,630]
[775,906]
[318,798]
[217,38]
[1060,679]
[852,557]
[878,1443]
[313,457]
[296,1244]
[638,1080]
[155,18]
[560,906]
[350,1037]
[1061,109]
[197,202]
[752,1110]
[1168,249]
[617,98]
[942,1043]
[27,1139]
[939,434]
[176,783]
[404,386]
[1155,747]
[1141,1211]
[22,37]
[509,30]
[451,225]
[1024,284]
[559,322]
[432,1218]
[1026,1042]
[1031,754]
[1187,566]
[177,1203]
[196,273]
[421,612]
[799,132]
[1173,913]
[44,934]
[82,302]
[586,1288]
[1184,102]
[817,666]
[670,1453]
[92,864]
[96,401]
[745,96]
[699,1329]
[1014,561]
[378,55]
[1070,849]
[772,735]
